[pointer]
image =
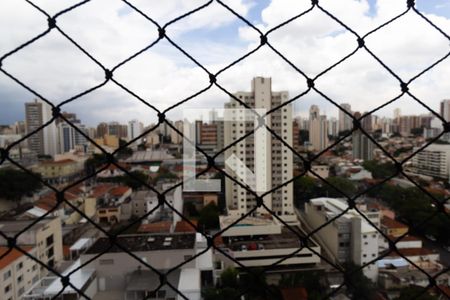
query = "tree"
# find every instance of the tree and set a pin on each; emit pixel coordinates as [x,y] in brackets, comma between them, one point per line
[163,174]
[229,278]
[380,170]
[342,184]
[94,162]
[15,184]
[412,292]
[135,181]
[209,217]
[358,285]
[123,150]
[311,281]
[305,188]
[228,287]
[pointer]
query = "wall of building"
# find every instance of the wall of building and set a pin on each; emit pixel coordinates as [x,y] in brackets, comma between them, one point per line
[18,276]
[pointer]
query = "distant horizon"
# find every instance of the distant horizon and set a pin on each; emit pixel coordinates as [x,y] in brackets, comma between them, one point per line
[163,76]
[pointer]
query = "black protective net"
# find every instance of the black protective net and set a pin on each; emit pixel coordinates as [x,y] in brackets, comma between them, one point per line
[214,79]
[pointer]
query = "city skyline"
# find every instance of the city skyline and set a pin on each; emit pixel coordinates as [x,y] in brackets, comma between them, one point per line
[177,77]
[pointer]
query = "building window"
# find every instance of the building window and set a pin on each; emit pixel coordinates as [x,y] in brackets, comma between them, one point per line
[19,266]
[50,252]
[21,290]
[7,288]
[7,274]
[19,279]
[49,241]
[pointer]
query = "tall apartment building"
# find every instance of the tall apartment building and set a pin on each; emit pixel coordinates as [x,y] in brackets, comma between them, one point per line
[102,130]
[268,159]
[38,113]
[433,161]
[407,123]
[135,129]
[18,272]
[318,129]
[333,127]
[345,121]
[362,146]
[68,138]
[118,130]
[367,123]
[175,137]
[445,109]
[296,142]
[45,236]
[34,120]
[350,238]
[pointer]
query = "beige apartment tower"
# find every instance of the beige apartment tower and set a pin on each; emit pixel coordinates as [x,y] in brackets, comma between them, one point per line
[269,160]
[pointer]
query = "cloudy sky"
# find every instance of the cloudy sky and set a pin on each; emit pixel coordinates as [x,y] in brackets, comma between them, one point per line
[111,31]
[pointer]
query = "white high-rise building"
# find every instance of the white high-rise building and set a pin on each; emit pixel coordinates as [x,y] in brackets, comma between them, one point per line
[135,129]
[333,127]
[67,137]
[38,113]
[175,137]
[445,109]
[268,159]
[318,129]
[345,121]
[33,121]
[350,238]
[433,161]
[50,131]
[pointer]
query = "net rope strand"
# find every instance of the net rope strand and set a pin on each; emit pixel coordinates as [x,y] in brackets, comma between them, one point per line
[214,79]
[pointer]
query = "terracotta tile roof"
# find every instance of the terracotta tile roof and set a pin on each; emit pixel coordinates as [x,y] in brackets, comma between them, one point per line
[59,162]
[392,223]
[119,191]
[183,226]
[444,289]
[408,238]
[11,256]
[101,190]
[412,252]
[218,241]
[299,293]
[163,226]
[113,167]
[48,201]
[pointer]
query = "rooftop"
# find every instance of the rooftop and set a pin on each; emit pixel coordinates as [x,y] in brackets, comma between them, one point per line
[149,156]
[146,242]
[392,223]
[163,226]
[412,252]
[19,225]
[119,191]
[287,239]
[335,206]
[183,226]
[59,162]
[11,256]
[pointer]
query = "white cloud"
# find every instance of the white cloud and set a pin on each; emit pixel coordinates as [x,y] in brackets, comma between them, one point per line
[163,76]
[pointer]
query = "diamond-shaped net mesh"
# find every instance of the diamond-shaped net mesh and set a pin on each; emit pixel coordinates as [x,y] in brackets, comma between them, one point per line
[214,81]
